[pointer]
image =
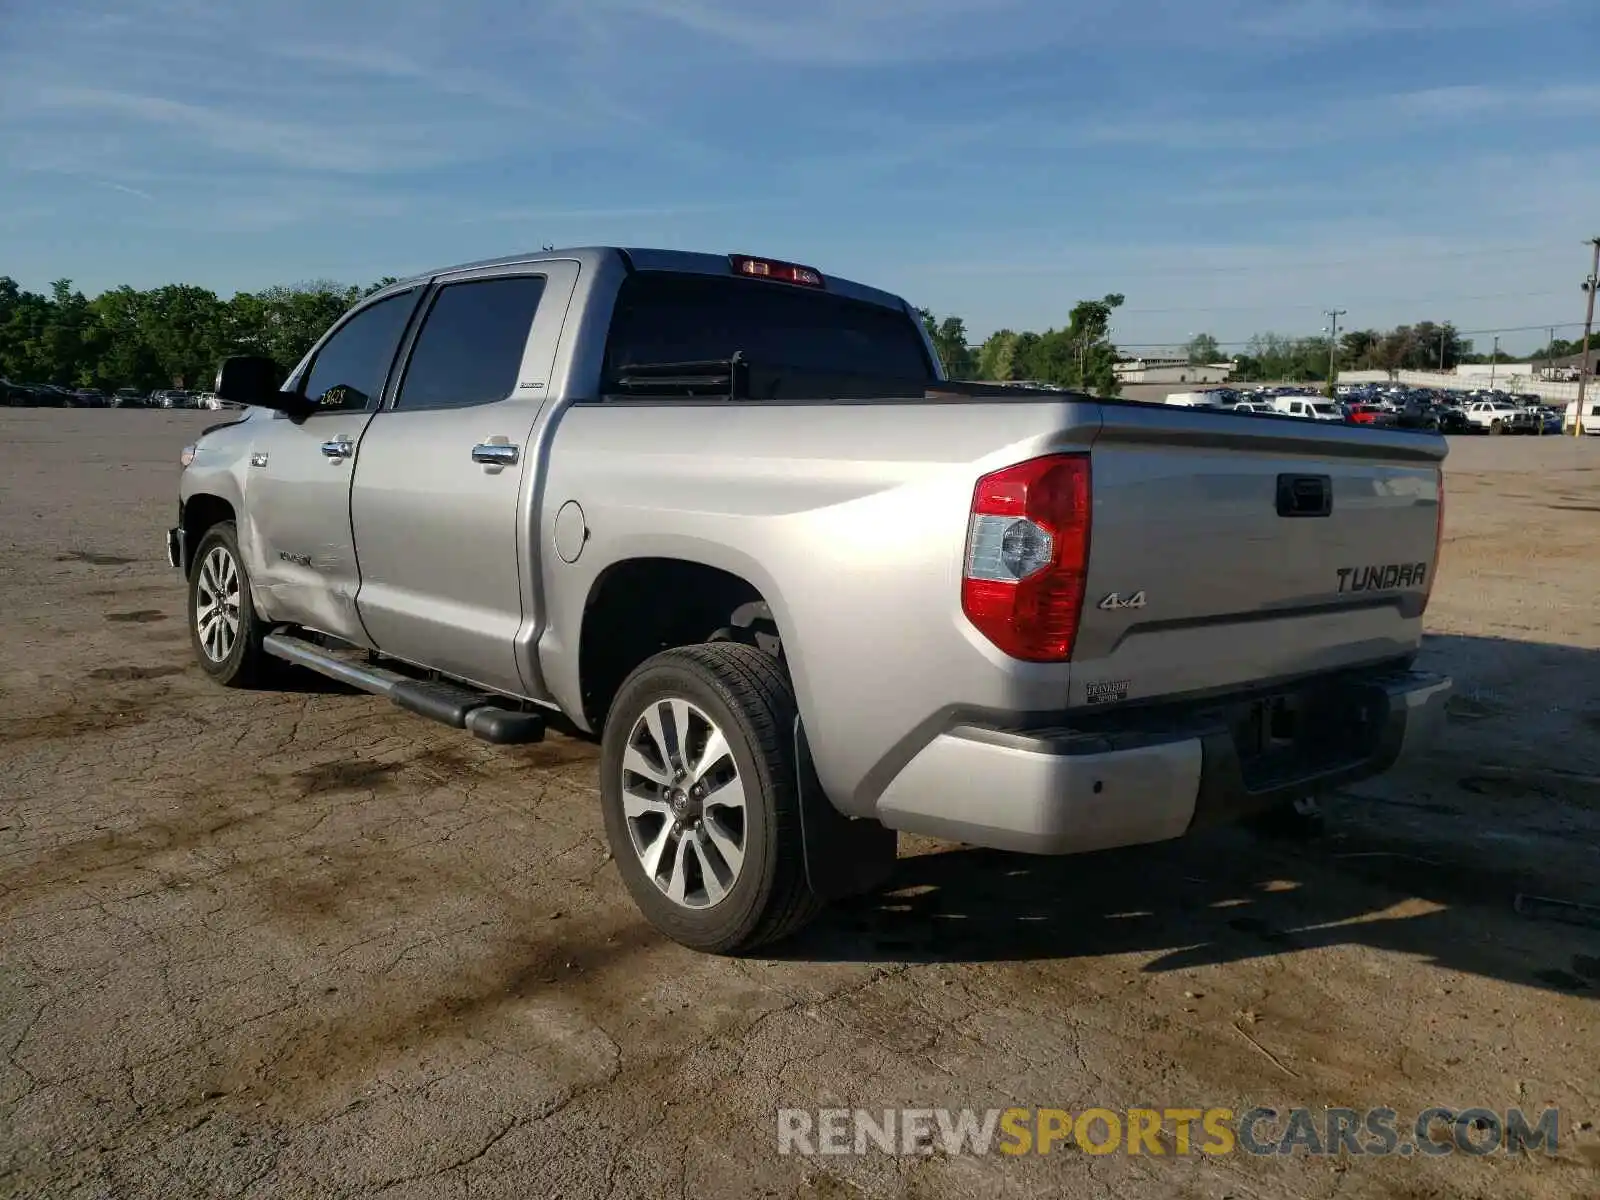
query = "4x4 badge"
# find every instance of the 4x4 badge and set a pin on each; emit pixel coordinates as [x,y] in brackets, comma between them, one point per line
[1115,600]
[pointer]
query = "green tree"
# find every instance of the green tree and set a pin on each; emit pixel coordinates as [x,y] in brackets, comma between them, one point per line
[997,357]
[1203,348]
[1089,331]
[949,338]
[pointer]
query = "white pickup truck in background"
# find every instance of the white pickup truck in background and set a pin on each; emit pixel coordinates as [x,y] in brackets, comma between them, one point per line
[1308,408]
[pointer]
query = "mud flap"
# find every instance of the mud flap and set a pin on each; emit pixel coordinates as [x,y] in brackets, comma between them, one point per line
[844,857]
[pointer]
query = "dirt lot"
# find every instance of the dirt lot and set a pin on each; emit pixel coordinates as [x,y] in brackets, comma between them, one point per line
[296,943]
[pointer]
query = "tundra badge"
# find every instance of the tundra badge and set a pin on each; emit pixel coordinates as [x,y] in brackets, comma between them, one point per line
[1382,577]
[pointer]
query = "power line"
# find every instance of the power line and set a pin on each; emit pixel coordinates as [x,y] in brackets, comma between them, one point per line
[1459,332]
[1386,300]
[1167,269]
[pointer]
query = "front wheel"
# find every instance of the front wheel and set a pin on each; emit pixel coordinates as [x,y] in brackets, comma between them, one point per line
[700,793]
[223,624]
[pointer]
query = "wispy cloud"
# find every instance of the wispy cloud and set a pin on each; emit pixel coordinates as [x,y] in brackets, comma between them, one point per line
[855,32]
[124,189]
[1368,118]
[1322,20]
[308,144]
[996,158]
[517,215]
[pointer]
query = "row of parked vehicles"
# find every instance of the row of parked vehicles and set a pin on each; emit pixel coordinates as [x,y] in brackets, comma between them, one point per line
[1480,410]
[1390,407]
[52,395]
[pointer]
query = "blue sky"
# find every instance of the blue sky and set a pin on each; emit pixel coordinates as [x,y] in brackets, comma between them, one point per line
[1229,165]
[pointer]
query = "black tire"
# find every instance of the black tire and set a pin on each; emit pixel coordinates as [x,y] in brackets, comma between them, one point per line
[748,694]
[245,664]
[1496,428]
[1293,820]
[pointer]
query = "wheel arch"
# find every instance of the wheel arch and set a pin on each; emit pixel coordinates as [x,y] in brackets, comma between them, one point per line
[638,606]
[202,512]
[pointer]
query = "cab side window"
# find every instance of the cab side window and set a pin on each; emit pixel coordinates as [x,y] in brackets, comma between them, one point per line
[348,372]
[470,347]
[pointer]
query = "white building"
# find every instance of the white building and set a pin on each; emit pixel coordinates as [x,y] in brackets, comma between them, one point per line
[1172,370]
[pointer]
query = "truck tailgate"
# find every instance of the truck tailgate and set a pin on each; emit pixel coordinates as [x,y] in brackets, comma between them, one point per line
[1233,550]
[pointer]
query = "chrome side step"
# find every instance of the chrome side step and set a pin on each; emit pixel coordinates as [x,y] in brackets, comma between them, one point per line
[448,703]
[377,680]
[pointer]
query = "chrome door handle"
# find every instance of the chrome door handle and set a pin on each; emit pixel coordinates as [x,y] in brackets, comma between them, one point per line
[494,454]
[338,448]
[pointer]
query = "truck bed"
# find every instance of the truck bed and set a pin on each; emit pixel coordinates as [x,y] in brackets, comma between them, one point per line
[851,518]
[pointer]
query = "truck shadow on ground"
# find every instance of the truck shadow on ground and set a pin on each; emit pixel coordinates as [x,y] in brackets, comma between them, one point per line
[1427,863]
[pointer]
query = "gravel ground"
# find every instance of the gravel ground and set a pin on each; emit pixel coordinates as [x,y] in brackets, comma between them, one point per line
[298,943]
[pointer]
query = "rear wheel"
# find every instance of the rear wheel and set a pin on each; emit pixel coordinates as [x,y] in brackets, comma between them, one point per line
[1301,818]
[699,789]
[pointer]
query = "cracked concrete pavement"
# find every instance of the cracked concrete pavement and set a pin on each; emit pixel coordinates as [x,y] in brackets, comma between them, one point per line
[298,943]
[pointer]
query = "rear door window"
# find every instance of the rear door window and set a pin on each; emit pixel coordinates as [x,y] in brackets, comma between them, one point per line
[469,350]
[800,343]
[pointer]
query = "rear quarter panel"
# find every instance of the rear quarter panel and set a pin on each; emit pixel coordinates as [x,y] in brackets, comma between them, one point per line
[850,519]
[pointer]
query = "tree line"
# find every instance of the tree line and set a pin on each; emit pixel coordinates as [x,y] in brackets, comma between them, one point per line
[1425,346]
[174,336]
[171,336]
[1080,354]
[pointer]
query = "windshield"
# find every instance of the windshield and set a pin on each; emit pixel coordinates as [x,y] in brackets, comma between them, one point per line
[800,343]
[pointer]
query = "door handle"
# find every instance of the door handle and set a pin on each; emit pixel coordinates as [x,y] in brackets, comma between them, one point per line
[1305,495]
[495,454]
[339,447]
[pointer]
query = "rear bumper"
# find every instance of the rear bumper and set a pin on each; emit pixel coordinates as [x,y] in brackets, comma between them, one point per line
[1150,778]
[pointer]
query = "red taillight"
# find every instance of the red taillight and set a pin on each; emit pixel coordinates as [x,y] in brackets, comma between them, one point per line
[1028,556]
[1438,545]
[771,268]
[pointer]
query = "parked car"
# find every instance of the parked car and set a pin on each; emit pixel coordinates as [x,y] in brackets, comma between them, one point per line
[1496,416]
[127,398]
[649,491]
[16,395]
[1308,407]
[1370,414]
[1591,416]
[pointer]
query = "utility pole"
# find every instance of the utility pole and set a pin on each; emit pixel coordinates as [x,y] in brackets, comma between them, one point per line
[1494,361]
[1443,338]
[1333,315]
[1589,286]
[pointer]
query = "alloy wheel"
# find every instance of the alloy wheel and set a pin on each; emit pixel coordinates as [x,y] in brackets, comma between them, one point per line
[684,803]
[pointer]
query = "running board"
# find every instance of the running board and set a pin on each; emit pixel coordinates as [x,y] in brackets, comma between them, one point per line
[439,700]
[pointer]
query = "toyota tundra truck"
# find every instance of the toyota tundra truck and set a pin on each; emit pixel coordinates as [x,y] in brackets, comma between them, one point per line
[726,515]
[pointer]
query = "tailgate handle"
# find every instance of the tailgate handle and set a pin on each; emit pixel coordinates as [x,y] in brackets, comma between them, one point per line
[1305,495]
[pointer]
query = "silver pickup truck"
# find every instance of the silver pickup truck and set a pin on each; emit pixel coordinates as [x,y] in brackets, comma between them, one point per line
[726,514]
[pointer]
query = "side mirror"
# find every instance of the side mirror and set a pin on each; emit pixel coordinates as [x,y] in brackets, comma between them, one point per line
[253,379]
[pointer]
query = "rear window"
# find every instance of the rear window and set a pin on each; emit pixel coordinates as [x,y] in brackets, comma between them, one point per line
[799,343]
